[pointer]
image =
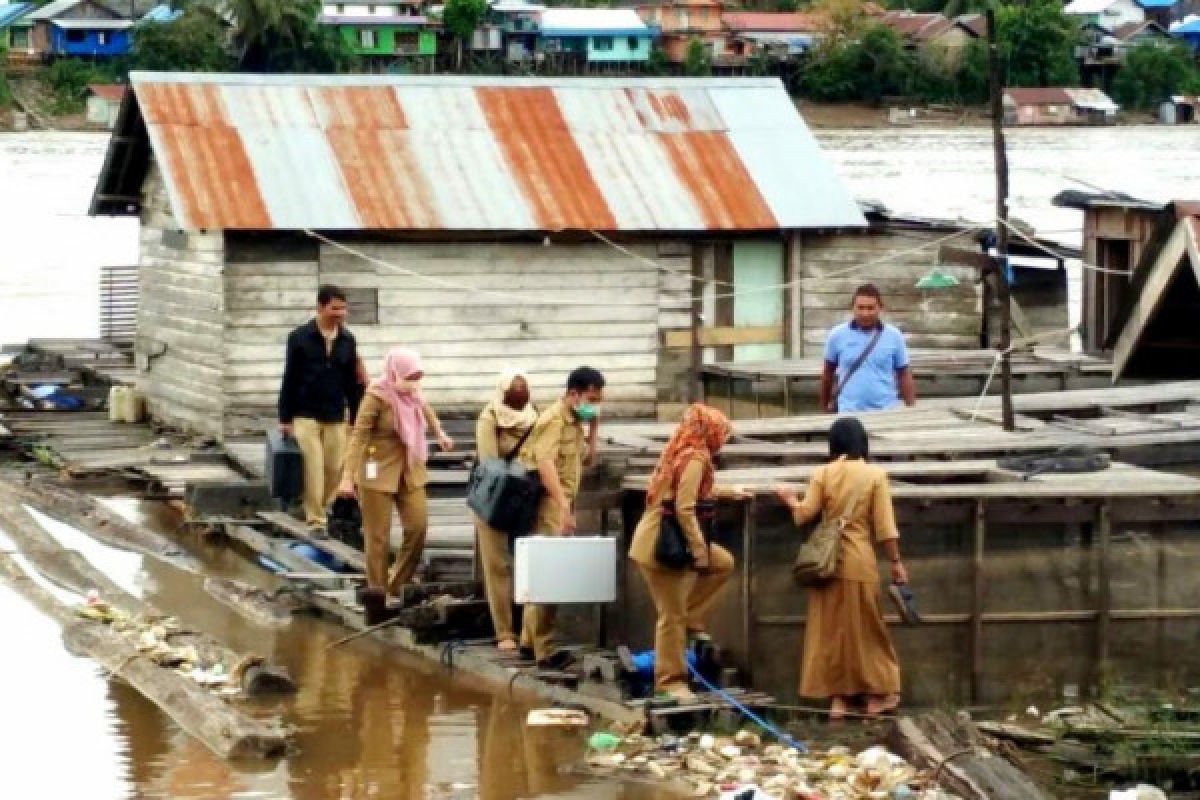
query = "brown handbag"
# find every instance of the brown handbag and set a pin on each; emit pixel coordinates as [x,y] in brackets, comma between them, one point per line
[817,562]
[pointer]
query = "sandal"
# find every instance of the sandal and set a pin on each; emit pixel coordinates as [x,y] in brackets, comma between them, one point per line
[837,709]
[881,704]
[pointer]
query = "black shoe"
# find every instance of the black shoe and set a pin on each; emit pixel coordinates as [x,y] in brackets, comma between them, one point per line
[526,653]
[375,607]
[556,660]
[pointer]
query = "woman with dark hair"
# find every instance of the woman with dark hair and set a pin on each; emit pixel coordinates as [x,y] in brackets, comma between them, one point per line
[847,648]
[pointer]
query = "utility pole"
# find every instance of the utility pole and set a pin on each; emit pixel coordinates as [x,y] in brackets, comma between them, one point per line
[1000,270]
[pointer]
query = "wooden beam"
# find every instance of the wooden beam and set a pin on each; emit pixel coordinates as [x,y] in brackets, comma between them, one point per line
[721,337]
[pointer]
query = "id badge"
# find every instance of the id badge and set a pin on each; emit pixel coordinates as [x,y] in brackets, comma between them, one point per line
[372,470]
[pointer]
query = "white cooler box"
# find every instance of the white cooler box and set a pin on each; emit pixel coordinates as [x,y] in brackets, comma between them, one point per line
[565,569]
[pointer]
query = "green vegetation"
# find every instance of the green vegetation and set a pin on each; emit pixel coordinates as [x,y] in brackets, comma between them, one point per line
[461,18]
[1037,44]
[68,79]
[696,62]
[1153,72]
[283,36]
[195,43]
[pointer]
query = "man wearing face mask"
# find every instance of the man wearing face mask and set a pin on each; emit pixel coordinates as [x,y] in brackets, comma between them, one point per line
[556,450]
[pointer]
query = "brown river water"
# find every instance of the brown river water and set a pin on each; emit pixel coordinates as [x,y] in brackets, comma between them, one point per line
[369,721]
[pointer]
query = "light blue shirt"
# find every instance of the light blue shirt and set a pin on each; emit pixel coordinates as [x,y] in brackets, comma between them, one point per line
[874,386]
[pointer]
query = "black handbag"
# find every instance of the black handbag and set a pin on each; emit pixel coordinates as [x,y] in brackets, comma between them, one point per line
[505,493]
[671,548]
[344,522]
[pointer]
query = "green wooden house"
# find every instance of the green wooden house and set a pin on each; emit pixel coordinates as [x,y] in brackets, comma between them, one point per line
[384,34]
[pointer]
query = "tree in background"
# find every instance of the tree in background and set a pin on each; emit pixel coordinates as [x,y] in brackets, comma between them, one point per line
[283,36]
[195,42]
[696,62]
[869,67]
[1152,72]
[462,18]
[1037,44]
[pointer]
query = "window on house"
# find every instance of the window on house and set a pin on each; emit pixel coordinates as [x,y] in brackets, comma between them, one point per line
[340,8]
[20,37]
[366,38]
[75,37]
[603,43]
[633,43]
[364,305]
[683,18]
[102,38]
[370,9]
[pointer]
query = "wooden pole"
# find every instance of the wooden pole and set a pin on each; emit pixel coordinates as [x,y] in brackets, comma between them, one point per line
[1104,588]
[695,392]
[750,511]
[977,597]
[1001,161]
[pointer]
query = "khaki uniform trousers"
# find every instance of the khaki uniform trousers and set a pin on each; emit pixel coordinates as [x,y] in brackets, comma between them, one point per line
[497,564]
[683,598]
[537,627]
[323,445]
[377,534]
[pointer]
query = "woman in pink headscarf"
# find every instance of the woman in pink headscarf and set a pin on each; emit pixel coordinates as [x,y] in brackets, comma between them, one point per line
[385,463]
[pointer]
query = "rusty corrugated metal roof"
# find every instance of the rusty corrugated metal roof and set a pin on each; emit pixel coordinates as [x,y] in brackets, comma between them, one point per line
[459,153]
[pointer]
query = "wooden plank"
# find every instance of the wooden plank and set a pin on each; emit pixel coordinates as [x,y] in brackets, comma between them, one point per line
[726,336]
[299,530]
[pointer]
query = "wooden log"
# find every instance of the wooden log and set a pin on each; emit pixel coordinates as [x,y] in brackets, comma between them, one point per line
[70,570]
[961,759]
[102,523]
[220,726]
[259,607]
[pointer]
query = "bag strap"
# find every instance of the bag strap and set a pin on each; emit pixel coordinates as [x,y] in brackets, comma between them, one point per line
[520,443]
[858,362]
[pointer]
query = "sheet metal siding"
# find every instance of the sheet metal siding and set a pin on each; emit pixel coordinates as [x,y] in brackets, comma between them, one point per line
[238,153]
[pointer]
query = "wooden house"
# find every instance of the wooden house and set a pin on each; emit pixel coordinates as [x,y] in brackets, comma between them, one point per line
[1153,336]
[1058,106]
[679,22]
[79,28]
[782,35]
[933,36]
[486,221]
[1116,231]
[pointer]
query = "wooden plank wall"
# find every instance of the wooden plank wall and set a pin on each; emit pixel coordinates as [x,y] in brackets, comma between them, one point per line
[180,318]
[947,318]
[575,304]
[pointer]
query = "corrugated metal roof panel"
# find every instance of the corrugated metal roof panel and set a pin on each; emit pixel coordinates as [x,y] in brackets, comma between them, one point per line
[11,12]
[456,153]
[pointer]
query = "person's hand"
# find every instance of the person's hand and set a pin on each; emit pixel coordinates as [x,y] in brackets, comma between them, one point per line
[568,526]
[589,458]
[445,442]
[700,559]
[899,573]
[786,495]
[287,429]
[346,488]
[738,493]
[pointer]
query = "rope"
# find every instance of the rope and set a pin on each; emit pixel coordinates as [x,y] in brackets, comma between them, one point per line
[754,290]
[1000,354]
[757,720]
[448,650]
[1090,267]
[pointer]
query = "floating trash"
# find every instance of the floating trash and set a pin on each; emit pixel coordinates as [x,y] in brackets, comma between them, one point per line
[741,766]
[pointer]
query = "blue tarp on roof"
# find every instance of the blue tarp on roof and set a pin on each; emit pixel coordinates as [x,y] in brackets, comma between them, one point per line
[1157,3]
[161,13]
[11,12]
[1188,29]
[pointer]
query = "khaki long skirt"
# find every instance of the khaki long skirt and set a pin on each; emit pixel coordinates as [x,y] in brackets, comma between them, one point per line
[847,648]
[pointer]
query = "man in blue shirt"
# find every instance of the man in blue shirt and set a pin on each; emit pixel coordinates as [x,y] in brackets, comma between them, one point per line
[878,382]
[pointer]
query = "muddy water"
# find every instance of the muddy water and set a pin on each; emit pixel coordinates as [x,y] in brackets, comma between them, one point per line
[369,722]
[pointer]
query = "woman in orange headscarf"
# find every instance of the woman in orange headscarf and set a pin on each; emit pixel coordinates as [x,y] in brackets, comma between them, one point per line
[683,479]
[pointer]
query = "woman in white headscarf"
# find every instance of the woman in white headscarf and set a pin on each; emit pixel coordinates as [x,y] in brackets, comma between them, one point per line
[501,426]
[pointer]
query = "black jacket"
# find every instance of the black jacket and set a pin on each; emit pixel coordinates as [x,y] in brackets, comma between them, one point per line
[316,385]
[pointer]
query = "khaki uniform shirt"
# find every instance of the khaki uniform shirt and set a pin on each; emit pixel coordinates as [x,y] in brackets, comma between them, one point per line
[373,439]
[832,490]
[492,441]
[557,436]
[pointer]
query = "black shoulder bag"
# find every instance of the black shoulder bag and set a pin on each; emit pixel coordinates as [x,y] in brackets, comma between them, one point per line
[504,493]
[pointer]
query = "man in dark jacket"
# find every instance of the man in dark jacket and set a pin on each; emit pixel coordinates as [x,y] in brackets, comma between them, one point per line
[323,379]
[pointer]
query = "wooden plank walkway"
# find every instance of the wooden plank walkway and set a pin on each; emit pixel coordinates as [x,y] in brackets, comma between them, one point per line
[776,388]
